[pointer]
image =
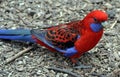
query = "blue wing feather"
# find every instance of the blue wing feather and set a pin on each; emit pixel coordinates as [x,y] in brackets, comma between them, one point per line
[41,36]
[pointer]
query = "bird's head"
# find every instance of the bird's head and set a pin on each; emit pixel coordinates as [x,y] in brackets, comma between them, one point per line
[95,19]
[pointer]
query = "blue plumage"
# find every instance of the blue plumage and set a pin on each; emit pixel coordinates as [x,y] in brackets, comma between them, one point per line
[67,52]
[41,36]
[96,27]
[17,34]
[26,35]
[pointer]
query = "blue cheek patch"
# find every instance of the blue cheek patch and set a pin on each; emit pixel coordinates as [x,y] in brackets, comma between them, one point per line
[96,27]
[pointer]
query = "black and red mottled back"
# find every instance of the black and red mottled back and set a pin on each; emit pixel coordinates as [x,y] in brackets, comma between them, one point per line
[62,37]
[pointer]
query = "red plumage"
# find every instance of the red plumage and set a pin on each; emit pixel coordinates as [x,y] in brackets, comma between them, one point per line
[82,34]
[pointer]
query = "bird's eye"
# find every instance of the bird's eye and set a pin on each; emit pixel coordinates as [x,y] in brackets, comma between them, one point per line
[95,19]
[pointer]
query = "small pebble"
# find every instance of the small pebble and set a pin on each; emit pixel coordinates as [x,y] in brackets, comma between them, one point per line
[19,62]
[119,53]
[46,70]
[108,5]
[65,75]
[20,68]
[111,13]
[1,43]
[38,72]
[116,56]
[32,13]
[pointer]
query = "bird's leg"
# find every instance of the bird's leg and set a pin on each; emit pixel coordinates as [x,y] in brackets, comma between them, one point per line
[87,54]
[74,61]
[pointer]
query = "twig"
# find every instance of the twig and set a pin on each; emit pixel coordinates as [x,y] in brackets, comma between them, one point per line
[93,70]
[88,1]
[98,75]
[83,67]
[17,55]
[113,24]
[84,6]
[64,71]
[23,20]
[116,71]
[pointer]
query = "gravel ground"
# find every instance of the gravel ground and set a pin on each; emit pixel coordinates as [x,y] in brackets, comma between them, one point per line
[104,58]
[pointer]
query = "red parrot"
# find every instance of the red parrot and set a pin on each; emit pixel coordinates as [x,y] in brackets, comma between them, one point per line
[74,38]
[71,39]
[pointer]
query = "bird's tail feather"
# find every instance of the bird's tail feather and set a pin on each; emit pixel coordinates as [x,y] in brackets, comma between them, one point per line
[17,34]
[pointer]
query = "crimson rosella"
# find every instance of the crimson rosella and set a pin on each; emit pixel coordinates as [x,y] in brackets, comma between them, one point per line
[71,39]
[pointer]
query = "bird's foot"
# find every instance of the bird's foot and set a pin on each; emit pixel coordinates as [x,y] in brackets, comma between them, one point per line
[74,61]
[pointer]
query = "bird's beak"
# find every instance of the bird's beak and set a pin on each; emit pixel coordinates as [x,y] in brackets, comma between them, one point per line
[104,24]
